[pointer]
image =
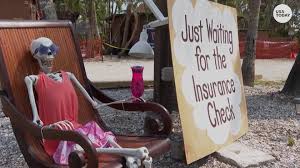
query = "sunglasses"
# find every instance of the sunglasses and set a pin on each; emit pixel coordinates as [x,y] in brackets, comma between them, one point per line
[45,50]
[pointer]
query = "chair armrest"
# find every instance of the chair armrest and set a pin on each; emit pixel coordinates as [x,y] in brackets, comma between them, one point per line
[152,121]
[21,122]
[84,142]
[150,124]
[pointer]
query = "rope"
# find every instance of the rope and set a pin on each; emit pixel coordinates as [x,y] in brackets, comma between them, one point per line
[122,101]
[112,46]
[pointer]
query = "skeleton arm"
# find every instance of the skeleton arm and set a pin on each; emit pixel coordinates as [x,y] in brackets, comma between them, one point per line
[81,88]
[30,81]
[134,156]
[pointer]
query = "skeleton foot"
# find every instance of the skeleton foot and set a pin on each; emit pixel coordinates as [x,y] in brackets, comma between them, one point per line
[132,162]
[134,157]
[147,162]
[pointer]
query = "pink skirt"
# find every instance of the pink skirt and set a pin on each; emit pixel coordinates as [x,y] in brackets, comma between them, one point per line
[91,130]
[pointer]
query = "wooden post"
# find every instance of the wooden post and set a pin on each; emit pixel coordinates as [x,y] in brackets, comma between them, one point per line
[164,91]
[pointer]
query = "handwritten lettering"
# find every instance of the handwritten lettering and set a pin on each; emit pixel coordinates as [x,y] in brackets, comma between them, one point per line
[219,34]
[192,32]
[219,115]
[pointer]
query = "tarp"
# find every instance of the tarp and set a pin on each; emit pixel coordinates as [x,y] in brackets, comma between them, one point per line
[96,47]
[272,49]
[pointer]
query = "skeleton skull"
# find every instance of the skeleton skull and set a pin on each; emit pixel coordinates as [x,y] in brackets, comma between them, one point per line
[44,50]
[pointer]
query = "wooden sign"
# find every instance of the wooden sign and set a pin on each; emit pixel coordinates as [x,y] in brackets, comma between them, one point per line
[207,70]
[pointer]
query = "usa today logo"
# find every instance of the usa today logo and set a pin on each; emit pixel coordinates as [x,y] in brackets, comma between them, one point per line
[282,13]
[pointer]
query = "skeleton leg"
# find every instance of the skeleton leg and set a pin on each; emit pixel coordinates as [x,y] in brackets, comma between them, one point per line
[135,157]
[134,161]
[131,162]
[139,153]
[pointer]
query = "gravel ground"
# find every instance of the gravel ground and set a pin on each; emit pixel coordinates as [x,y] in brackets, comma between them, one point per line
[272,122]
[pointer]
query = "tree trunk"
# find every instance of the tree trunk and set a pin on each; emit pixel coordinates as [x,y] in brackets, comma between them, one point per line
[113,14]
[115,39]
[248,66]
[134,31]
[93,32]
[127,25]
[48,9]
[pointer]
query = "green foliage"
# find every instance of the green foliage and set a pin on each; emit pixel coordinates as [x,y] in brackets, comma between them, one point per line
[102,10]
[291,141]
[73,5]
[266,20]
[240,5]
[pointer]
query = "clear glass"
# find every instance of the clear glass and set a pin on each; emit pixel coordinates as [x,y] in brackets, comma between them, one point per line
[137,83]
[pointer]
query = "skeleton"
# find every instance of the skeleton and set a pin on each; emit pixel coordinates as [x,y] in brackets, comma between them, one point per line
[44,50]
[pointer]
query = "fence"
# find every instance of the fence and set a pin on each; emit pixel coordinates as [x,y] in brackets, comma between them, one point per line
[272,49]
[95,50]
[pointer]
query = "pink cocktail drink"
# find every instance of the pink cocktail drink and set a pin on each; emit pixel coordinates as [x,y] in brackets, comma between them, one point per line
[137,83]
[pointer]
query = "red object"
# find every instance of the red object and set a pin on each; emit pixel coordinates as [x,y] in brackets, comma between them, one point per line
[293,55]
[57,101]
[137,83]
[268,47]
[272,49]
[97,136]
[96,48]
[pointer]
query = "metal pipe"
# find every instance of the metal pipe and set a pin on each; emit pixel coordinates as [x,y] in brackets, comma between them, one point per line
[154,9]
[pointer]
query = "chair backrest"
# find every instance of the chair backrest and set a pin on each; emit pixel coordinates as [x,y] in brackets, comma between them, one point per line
[16,61]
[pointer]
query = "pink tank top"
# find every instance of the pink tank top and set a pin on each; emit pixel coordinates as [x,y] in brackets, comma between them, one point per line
[57,101]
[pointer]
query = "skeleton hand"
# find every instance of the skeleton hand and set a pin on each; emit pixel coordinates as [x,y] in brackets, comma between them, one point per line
[62,125]
[96,105]
[38,121]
